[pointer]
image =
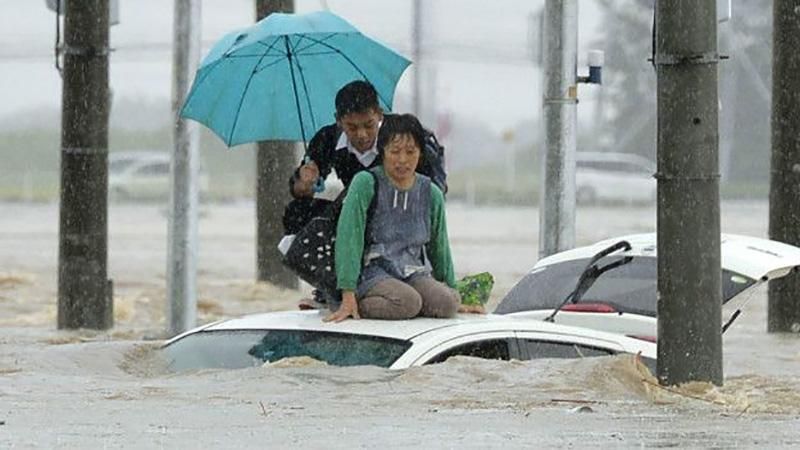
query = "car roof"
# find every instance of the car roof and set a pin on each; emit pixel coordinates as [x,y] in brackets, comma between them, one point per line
[756,258]
[398,329]
[312,320]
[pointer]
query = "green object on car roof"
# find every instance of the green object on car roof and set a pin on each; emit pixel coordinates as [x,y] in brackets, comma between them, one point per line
[475,289]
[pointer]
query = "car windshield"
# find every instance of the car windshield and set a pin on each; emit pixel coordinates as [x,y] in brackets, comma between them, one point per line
[630,287]
[236,349]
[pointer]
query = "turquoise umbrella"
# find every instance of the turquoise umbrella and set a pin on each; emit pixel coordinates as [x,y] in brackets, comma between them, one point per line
[278,79]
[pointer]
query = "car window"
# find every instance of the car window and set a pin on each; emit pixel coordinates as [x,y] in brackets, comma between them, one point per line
[629,287]
[613,166]
[235,349]
[118,165]
[154,169]
[486,349]
[536,348]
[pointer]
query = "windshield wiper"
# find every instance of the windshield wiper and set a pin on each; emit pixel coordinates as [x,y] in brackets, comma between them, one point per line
[591,273]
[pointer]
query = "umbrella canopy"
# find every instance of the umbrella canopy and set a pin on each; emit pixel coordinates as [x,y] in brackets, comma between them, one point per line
[278,79]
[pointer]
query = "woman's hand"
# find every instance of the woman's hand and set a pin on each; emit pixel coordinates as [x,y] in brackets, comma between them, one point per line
[348,308]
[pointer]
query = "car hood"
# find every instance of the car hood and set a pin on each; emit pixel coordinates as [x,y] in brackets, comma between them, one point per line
[756,258]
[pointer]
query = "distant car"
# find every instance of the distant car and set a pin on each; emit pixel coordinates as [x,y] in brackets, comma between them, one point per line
[255,339]
[144,175]
[619,290]
[613,177]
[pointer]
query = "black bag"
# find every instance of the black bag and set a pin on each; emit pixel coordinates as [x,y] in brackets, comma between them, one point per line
[311,255]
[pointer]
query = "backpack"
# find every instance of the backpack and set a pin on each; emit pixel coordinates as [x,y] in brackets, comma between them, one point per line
[432,161]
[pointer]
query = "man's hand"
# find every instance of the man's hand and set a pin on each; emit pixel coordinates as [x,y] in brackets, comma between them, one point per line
[308,175]
[348,308]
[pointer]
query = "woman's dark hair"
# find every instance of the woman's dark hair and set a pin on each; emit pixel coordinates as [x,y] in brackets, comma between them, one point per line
[394,125]
[356,97]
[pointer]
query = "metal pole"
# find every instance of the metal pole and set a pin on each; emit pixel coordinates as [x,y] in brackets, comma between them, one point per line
[84,291]
[182,233]
[689,277]
[275,160]
[416,51]
[557,210]
[783,312]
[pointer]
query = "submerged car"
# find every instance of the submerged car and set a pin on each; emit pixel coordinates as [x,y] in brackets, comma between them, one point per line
[144,175]
[614,177]
[612,284]
[253,340]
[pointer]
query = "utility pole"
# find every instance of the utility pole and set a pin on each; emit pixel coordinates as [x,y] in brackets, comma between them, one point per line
[557,205]
[84,290]
[728,96]
[689,275]
[783,313]
[275,161]
[182,233]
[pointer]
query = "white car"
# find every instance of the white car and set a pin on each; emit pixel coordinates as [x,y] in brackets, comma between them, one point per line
[620,296]
[614,177]
[397,344]
[144,175]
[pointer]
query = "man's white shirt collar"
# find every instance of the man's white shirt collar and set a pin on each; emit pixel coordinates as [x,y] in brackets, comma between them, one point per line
[366,159]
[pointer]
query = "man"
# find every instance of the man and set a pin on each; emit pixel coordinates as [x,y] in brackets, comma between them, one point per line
[347,146]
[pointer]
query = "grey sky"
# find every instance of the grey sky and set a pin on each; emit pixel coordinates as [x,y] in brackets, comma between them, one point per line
[477,57]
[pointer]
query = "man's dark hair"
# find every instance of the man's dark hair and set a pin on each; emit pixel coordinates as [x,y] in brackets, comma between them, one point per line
[394,125]
[356,97]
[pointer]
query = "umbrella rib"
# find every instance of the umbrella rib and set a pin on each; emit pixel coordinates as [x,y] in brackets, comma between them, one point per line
[294,87]
[314,42]
[259,69]
[257,55]
[347,58]
[241,100]
[305,86]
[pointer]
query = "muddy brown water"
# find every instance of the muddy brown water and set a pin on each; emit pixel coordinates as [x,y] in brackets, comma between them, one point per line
[84,389]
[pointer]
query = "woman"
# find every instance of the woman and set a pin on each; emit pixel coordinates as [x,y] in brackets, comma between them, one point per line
[392,254]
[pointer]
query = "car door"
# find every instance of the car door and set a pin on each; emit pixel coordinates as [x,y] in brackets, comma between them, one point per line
[489,345]
[151,180]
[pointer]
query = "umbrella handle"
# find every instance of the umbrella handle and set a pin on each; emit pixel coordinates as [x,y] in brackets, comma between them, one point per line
[319,186]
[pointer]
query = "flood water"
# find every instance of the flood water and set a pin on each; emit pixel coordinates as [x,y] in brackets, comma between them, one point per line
[83,389]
